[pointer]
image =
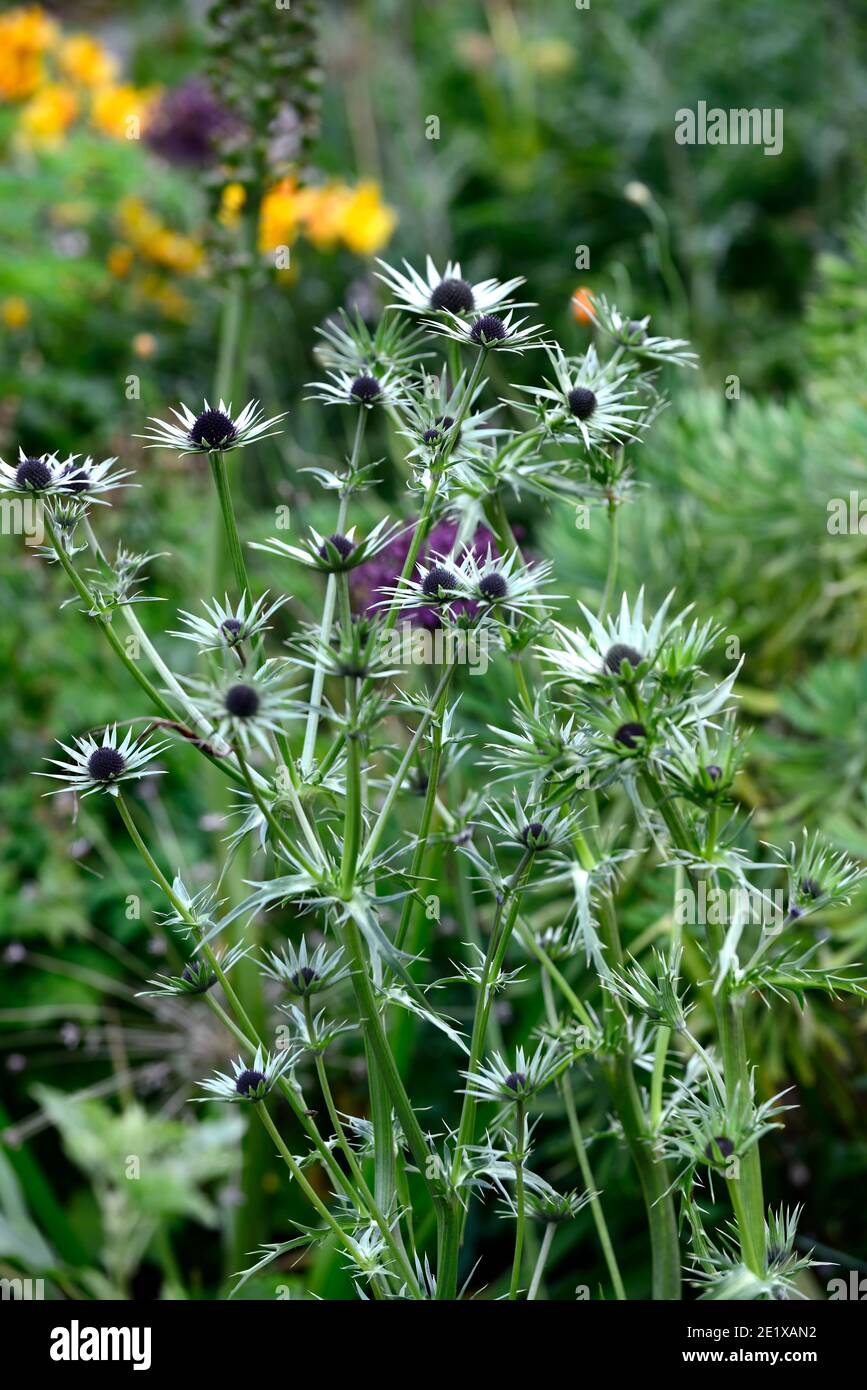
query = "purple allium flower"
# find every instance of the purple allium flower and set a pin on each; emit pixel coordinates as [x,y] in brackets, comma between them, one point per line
[369,581]
[189,124]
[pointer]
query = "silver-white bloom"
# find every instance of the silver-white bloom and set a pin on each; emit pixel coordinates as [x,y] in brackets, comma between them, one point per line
[46,475]
[435,292]
[99,767]
[227,626]
[500,332]
[598,655]
[249,1081]
[214,430]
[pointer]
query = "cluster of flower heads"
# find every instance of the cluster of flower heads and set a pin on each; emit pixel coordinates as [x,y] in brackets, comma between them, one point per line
[625,698]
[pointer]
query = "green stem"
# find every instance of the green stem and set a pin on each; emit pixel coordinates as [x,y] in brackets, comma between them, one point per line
[398,1253]
[224,494]
[541,1262]
[583,1160]
[317,684]
[613,559]
[747,1189]
[250,1033]
[520,1140]
[397,781]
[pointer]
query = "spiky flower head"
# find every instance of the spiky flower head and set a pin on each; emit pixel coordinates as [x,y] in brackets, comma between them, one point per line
[46,475]
[818,876]
[500,332]
[303,972]
[248,709]
[100,767]
[366,388]
[337,553]
[449,292]
[497,1081]
[585,402]
[213,430]
[197,976]
[227,626]
[249,1081]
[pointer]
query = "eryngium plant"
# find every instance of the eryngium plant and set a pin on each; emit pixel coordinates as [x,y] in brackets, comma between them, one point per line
[358,785]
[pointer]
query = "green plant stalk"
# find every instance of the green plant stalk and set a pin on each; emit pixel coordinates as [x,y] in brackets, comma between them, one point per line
[394,1245]
[747,1190]
[247,1033]
[317,683]
[397,781]
[309,1192]
[541,1262]
[613,559]
[384,1058]
[385,1159]
[581,1149]
[501,932]
[421,853]
[520,1211]
[219,472]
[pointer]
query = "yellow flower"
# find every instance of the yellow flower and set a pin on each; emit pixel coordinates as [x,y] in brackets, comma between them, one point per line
[322,212]
[278,216]
[84,59]
[48,115]
[119,260]
[165,297]
[175,251]
[367,222]
[121,111]
[25,33]
[137,222]
[232,199]
[15,312]
[155,242]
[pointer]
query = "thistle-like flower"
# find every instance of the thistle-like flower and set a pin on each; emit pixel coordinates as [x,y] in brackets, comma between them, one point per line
[632,335]
[197,976]
[246,710]
[481,587]
[499,1082]
[366,387]
[337,553]
[45,475]
[250,1081]
[502,332]
[347,344]
[100,767]
[213,430]
[818,876]
[304,973]
[447,293]
[620,650]
[430,420]
[227,628]
[585,403]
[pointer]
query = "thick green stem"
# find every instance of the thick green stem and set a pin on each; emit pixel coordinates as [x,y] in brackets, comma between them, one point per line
[224,494]
[520,1214]
[613,558]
